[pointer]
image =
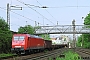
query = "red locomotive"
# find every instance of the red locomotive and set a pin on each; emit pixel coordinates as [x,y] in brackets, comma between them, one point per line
[26,43]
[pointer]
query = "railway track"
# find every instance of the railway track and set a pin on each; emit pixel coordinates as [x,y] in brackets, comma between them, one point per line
[59,53]
[84,53]
[40,56]
[48,55]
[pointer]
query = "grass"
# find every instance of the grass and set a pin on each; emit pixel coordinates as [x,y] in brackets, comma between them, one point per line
[69,55]
[5,55]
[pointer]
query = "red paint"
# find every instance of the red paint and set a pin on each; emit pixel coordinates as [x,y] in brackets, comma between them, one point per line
[28,42]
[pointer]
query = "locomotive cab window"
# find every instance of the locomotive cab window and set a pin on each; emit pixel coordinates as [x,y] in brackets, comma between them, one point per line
[19,37]
[16,37]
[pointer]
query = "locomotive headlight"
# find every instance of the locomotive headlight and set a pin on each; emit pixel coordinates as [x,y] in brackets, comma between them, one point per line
[17,46]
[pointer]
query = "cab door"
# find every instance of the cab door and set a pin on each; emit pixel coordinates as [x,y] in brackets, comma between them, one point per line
[28,42]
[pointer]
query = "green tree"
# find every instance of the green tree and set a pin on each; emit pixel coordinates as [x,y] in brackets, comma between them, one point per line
[79,41]
[45,36]
[86,42]
[5,37]
[36,28]
[86,39]
[87,36]
[87,20]
[26,29]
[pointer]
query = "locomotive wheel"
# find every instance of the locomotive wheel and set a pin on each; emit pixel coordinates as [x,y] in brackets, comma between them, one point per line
[18,53]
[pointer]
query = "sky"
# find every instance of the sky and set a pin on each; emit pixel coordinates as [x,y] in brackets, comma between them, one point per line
[63,11]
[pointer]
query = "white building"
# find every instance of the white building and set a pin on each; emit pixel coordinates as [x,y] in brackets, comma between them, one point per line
[61,40]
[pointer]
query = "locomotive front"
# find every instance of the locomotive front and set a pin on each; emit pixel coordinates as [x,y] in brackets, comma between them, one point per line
[18,43]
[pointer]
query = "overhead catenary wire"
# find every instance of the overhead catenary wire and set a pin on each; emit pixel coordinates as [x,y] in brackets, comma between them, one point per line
[26,17]
[21,15]
[5,12]
[35,11]
[14,16]
[75,6]
[17,19]
[47,11]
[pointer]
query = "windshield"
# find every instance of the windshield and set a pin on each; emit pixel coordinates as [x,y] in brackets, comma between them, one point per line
[19,37]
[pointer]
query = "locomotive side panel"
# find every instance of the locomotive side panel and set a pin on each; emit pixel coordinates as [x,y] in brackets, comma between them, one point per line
[35,43]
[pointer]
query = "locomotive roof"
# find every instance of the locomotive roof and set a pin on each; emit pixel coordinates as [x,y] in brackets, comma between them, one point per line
[34,36]
[30,35]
